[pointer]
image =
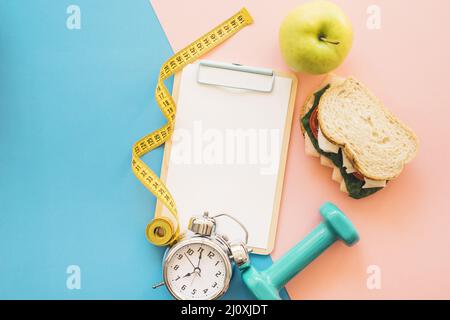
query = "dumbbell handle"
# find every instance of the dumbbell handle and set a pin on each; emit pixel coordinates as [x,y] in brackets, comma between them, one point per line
[302,254]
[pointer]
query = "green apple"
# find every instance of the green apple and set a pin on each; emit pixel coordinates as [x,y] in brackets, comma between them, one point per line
[315,37]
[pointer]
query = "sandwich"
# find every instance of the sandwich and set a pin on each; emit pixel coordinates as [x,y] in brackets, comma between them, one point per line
[352,132]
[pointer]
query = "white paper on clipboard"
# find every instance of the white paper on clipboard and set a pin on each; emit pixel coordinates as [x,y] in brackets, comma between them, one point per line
[228,151]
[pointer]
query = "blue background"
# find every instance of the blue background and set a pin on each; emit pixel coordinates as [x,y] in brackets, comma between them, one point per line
[72,102]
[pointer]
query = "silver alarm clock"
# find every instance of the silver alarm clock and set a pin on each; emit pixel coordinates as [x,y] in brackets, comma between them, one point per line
[200,266]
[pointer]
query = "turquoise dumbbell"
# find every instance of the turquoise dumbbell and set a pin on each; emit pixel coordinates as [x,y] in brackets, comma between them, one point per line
[265,285]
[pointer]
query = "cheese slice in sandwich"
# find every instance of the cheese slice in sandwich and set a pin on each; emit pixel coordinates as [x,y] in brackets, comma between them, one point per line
[326,145]
[363,142]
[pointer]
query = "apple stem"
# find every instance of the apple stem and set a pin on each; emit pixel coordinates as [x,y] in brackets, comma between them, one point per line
[329,41]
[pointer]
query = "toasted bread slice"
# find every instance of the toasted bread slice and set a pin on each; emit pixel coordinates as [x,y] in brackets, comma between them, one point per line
[376,142]
[331,79]
[336,175]
[326,162]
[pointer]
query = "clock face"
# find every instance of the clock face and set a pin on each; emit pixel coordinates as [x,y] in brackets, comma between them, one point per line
[197,270]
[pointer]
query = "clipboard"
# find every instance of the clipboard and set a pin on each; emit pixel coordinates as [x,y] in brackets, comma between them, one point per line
[229,147]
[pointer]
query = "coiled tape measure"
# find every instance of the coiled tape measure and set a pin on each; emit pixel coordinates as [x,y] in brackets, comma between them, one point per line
[166,230]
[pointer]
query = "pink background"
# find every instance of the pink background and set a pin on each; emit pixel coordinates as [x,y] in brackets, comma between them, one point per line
[405,229]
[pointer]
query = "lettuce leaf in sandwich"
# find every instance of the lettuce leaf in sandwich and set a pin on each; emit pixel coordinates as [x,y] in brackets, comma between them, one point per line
[353,182]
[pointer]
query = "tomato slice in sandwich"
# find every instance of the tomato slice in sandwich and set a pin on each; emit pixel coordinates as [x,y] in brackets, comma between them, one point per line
[358,176]
[314,123]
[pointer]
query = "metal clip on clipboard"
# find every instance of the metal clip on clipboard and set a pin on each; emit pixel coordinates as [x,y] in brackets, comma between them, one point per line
[235,76]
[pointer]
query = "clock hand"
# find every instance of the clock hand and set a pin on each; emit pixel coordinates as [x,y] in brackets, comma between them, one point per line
[197,271]
[198,263]
[189,260]
[200,256]
[193,278]
[188,274]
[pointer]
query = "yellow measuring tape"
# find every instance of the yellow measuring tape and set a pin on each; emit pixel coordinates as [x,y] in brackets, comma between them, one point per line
[164,230]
